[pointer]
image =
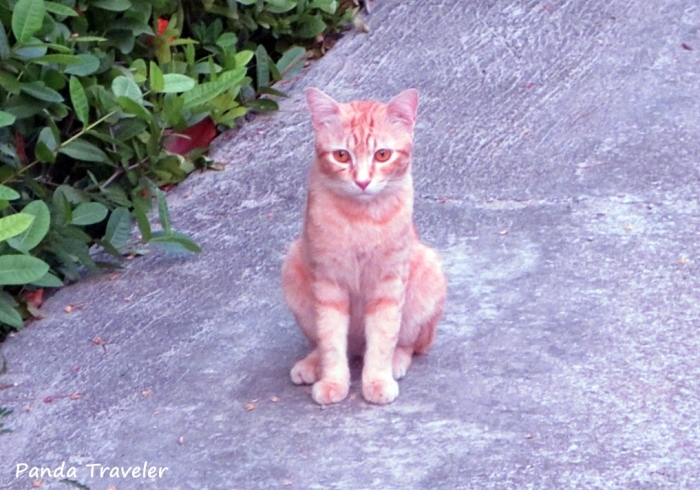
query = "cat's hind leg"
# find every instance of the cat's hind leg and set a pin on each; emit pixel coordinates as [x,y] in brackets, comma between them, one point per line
[299,297]
[401,362]
[425,298]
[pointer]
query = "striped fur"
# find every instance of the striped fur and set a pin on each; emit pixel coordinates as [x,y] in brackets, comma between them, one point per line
[358,280]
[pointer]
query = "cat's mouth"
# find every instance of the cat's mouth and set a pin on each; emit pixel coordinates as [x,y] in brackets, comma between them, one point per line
[365,193]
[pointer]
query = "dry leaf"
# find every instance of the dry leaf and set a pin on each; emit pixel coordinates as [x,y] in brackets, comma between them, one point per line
[34,311]
[249,406]
[274,399]
[36,484]
[75,396]
[503,232]
[146,393]
[36,297]
[683,261]
[70,308]
[360,26]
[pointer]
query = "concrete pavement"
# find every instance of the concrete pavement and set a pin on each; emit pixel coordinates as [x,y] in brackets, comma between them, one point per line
[557,165]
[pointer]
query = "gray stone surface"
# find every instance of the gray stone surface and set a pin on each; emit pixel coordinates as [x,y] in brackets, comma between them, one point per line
[557,168]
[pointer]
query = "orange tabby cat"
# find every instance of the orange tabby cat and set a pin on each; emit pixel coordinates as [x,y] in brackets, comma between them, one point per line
[358,280]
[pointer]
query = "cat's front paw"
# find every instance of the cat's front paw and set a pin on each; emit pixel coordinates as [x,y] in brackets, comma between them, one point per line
[327,392]
[304,372]
[380,391]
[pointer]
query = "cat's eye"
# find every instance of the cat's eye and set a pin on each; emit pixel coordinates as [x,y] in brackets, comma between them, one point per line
[382,155]
[341,156]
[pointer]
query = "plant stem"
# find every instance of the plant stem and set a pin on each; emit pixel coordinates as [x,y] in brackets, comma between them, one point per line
[64,143]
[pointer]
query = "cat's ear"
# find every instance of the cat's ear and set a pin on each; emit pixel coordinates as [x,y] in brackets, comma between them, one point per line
[403,108]
[323,108]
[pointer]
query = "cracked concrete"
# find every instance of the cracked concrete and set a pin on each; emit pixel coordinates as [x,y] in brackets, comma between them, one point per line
[556,170]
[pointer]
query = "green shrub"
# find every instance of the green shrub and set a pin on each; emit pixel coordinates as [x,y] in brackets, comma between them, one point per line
[90,93]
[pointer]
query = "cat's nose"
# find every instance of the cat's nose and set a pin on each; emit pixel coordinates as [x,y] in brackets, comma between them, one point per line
[362,184]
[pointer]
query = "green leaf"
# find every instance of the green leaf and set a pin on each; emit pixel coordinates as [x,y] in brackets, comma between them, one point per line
[175,242]
[40,91]
[48,281]
[87,65]
[136,26]
[272,91]
[156,81]
[54,79]
[132,107]
[144,224]
[70,194]
[261,69]
[263,105]
[163,213]
[173,110]
[14,224]
[4,47]
[311,26]
[6,119]
[7,193]
[229,118]
[84,150]
[112,5]
[109,248]
[23,106]
[87,39]
[292,62]
[80,101]
[30,51]
[328,6]
[126,129]
[46,146]
[118,228]
[21,269]
[9,82]
[59,9]
[175,83]
[243,58]
[9,316]
[280,6]
[203,93]
[37,230]
[61,59]
[27,18]
[125,87]
[89,213]
[43,154]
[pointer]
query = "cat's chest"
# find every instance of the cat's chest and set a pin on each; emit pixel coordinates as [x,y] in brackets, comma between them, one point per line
[354,251]
[360,239]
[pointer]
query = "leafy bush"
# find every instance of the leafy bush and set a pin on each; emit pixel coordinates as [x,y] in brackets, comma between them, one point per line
[95,96]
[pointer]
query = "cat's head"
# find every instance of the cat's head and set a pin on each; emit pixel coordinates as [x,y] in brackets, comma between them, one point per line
[364,148]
